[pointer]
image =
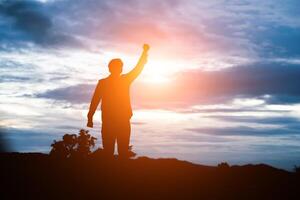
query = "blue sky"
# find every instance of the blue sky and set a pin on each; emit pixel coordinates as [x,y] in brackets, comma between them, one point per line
[221,84]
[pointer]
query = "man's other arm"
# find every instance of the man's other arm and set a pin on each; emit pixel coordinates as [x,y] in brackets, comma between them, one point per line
[135,72]
[94,104]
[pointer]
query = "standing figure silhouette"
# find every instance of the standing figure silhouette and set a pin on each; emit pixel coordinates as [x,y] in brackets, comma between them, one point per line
[113,92]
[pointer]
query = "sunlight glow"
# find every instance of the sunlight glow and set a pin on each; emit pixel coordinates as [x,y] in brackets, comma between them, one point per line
[162,71]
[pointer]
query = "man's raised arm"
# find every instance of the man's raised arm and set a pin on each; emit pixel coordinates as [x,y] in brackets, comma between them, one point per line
[94,104]
[133,74]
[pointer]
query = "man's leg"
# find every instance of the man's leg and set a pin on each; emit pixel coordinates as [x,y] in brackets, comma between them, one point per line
[108,138]
[123,138]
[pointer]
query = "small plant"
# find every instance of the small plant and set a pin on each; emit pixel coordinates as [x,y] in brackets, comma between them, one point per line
[85,142]
[73,145]
[297,169]
[223,165]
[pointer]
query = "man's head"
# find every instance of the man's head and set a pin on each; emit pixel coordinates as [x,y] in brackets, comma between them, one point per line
[115,66]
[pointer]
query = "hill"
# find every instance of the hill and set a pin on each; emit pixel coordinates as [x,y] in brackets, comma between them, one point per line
[39,176]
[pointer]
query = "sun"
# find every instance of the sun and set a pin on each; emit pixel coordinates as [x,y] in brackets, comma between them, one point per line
[159,71]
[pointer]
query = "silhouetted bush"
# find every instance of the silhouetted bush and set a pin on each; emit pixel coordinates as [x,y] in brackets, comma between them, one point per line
[73,145]
[297,169]
[223,166]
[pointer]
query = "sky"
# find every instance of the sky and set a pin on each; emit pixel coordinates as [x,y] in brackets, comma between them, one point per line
[221,82]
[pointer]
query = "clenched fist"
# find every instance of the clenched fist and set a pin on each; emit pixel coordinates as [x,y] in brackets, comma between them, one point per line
[146,47]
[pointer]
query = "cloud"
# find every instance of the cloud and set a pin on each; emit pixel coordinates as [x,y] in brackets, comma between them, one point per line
[31,21]
[272,82]
[261,120]
[275,83]
[244,131]
[278,41]
[10,78]
[75,94]
[220,30]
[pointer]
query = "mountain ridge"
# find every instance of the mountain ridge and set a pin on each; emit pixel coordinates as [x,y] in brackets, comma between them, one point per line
[40,176]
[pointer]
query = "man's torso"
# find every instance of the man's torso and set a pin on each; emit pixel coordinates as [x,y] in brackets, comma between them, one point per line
[115,98]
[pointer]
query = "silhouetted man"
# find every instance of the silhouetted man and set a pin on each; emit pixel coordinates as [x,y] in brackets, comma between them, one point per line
[115,105]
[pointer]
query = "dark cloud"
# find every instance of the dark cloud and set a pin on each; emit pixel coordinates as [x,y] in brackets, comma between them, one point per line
[61,23]
[74,94]
[234,31]
[28,17]
[280,41]
[30,21]
[276,83]
[245,131]
[256,109]
[8,65]
[284,121]
[112,23]
[278,148]
[283,99]
[253,80]
[12,78]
